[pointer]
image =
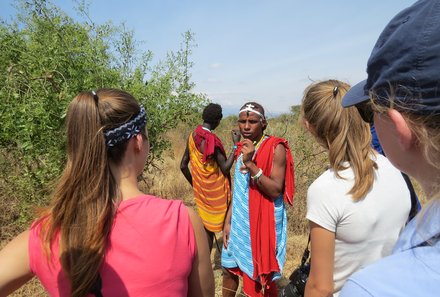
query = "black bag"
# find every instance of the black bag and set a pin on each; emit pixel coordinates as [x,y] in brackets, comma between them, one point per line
[298,278]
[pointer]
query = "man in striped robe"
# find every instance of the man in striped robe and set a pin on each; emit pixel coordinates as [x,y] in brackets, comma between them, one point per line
[209,175]
[255,231]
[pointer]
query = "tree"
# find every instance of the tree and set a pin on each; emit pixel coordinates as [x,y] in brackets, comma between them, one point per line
[47,57]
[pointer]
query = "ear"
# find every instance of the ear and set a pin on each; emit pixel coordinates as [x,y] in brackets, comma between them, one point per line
[405,135]
[138,142]
[308,126]
[264,124]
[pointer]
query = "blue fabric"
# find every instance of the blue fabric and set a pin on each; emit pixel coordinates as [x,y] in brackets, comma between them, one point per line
[412,270]
[239,253]
[375,143]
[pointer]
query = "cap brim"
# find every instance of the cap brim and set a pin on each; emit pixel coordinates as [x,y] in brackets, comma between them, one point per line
[355,95]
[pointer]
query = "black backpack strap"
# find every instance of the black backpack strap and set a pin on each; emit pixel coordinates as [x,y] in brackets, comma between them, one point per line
[306,253]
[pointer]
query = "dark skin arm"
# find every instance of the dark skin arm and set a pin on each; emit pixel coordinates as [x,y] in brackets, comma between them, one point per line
[226,164]
[273,185]
[227,227]
[184,165]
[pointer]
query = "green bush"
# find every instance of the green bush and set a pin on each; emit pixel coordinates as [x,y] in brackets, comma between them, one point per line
[46,58]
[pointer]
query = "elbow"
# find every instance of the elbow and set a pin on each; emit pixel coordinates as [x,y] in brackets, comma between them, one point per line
[319,289]
[326,291]
[276,193]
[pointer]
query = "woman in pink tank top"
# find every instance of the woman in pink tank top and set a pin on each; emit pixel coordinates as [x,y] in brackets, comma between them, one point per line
[101,236]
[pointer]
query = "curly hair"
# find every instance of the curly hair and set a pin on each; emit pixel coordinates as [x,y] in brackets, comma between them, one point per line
[212,113]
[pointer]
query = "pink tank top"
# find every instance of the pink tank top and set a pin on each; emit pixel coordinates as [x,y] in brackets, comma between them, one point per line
[150,252]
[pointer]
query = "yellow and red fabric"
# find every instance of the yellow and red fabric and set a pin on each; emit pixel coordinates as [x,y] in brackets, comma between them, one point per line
[212,190]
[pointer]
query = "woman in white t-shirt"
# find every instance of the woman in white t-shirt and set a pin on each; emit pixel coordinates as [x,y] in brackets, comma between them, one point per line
[355,208]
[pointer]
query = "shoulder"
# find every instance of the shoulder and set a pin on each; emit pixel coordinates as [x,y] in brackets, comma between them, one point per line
[327,200]
[406,272]
[327,180]
[385,165]
[152,204]
[276,141]
[388,177]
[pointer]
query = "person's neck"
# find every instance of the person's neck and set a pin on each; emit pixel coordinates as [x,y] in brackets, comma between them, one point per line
[430,185]
[126,181]
[258,139]
[207,126]
[428,177]
[129,189]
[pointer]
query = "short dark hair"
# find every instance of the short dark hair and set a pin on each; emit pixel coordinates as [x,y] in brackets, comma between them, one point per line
[212,113]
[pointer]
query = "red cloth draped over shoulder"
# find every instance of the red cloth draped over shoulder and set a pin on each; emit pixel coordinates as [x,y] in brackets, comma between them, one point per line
[211,141]
[261,210]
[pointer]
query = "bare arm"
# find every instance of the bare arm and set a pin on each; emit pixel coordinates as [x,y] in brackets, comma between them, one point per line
[320,281]
[273,185]
[227,226]
[224,163]
[201,279]
[184,165]
[14,264]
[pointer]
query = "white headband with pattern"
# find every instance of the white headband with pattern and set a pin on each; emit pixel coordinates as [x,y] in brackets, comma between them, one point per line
[251,108]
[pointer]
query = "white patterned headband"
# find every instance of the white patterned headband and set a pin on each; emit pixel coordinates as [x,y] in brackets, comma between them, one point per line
[251,108]
[126,131]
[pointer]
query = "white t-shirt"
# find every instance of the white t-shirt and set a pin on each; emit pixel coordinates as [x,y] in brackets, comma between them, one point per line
[365,230]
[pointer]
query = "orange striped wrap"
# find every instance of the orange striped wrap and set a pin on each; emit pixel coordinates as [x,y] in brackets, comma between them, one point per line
[212,190]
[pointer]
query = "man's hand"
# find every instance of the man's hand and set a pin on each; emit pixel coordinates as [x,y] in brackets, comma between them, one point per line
[235,136]
[247,150]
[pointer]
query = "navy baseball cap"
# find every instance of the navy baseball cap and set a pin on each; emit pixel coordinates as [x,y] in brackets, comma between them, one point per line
[405,62]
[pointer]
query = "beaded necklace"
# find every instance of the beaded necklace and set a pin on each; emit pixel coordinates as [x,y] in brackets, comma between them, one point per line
[257,144]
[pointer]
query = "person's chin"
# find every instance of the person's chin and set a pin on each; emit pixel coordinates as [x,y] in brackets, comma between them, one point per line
[247,136]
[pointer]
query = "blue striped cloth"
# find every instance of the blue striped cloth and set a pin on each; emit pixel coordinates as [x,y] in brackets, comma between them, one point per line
[239,253]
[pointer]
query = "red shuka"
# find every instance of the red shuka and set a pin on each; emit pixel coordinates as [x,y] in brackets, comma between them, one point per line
[211,141]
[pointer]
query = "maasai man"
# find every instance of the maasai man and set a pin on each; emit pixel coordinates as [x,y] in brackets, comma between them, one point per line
[255,231]
[209,175]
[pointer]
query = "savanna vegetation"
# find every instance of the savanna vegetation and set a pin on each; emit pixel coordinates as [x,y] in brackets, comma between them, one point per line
[47,57]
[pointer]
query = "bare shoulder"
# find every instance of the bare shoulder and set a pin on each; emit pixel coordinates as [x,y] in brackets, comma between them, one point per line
[194,217]
[280,153]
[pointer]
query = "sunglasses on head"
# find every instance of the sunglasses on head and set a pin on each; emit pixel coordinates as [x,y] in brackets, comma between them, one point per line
[365,111]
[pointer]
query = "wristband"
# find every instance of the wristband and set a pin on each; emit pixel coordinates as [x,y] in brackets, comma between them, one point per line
[234,147]
[258,175]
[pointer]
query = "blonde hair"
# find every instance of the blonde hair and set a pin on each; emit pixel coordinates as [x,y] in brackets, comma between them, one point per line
[83,205]
[342,131]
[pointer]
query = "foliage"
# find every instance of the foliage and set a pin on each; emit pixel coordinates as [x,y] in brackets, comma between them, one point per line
[46,58]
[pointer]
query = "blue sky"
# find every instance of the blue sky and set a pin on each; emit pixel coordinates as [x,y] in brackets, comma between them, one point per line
[264,51]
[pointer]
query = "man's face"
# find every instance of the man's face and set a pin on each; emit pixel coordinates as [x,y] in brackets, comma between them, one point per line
[251,125]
